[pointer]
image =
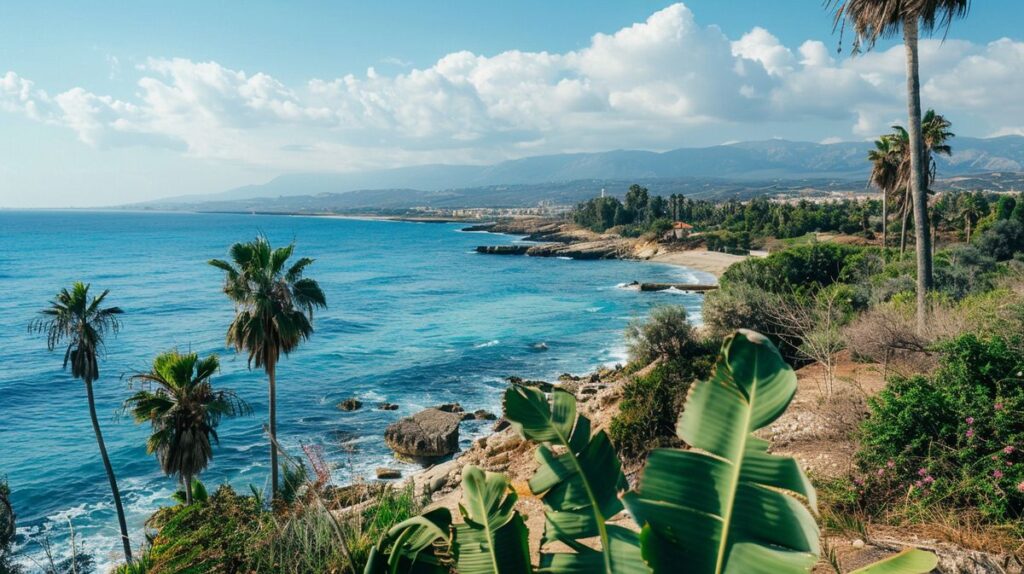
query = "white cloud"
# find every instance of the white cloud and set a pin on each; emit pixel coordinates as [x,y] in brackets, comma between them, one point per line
[662,83]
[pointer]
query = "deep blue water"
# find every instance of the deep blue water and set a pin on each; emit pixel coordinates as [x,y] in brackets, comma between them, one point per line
[415,317]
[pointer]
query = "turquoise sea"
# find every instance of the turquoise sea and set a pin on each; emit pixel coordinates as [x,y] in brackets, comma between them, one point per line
[415,317]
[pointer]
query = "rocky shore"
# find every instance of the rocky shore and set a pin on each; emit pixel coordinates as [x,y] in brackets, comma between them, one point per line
[556,238]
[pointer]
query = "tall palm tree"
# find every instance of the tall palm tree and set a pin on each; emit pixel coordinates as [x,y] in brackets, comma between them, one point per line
[874,19]
[184,411]
[79,324]
[273,312]
[969,208]
[886,160]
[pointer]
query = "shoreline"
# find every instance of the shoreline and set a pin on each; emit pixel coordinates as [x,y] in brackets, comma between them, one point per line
[556,239]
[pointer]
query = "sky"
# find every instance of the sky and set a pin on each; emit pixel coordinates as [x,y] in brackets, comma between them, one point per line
[130,101]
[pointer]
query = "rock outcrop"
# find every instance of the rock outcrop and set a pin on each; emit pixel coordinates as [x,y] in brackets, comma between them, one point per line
[428,435]
[350,405]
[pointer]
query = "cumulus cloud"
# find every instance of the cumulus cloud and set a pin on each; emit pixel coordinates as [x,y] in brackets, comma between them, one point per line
[657,84]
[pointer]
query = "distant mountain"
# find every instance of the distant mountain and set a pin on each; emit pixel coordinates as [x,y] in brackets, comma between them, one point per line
[744,162]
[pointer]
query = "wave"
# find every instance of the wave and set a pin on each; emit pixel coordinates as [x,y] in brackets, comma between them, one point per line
[491,343]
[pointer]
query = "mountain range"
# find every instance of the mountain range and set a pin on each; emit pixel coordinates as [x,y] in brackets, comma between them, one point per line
[743,164]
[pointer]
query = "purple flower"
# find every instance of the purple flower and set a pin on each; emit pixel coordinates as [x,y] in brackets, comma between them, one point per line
[970,433]
[918,484]
[881,471]
[1020,486]
[929,479]
[922,471]
[970,420]
[997,474]
[998,406]
[1009,449]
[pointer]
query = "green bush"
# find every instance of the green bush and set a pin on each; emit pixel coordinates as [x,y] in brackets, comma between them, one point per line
[666,335]
[233,533]
[651,403]
[953,437]
[800,268]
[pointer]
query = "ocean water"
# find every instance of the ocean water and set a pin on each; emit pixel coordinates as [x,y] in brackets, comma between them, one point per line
[415,317]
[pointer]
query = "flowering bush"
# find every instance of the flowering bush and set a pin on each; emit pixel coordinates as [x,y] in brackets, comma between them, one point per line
[955,437]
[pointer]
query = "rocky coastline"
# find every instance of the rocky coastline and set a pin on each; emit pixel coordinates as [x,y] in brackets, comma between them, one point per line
[560,238]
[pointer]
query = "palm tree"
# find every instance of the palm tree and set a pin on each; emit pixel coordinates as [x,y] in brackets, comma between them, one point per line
[184,411]
[273,312]
[886,160]
[969,208]
[79,324]
[874,19]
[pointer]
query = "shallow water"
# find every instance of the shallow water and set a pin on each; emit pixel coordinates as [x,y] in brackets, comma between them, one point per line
[415,317]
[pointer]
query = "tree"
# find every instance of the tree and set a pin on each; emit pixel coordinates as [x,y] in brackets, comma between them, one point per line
[970,210]
[874,19]
[184,411]
[273,312]
[80,324]
[886,160]
[1005,207]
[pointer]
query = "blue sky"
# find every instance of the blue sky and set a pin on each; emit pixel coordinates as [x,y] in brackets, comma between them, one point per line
[132,101]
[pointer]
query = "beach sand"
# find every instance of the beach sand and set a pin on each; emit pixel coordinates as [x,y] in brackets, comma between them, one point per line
[711,262]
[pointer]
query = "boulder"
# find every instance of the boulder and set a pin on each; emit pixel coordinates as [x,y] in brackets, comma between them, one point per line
[388,407]
[542,386]
[388,473]
[482,415]
[450,408]
[501,425]
[350,405]
[426,436]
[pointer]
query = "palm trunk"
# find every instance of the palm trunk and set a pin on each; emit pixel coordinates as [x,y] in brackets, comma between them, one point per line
[968,230]
[903,228]
[272,375]
[885,220]
[125,541]
[188,490]
[918,182]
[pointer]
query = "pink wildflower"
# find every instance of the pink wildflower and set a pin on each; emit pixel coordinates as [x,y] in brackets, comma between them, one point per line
[929,479]
[970,433]
[1009,449]
[918,483]
[998,406]
[970,420]
[922,471]
[881,471]
[890,463]
[1020,487]
[997,474]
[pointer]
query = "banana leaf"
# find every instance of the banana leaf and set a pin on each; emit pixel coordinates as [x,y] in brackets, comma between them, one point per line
[727,506]
[492,538]
[405,546]
[579,486]
[910,561]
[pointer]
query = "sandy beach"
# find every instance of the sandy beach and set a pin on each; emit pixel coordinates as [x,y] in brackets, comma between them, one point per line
[711,262]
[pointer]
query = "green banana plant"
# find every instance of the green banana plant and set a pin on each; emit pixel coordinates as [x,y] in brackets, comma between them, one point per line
[580,487]
[491,539]
[404,548]
[727,507]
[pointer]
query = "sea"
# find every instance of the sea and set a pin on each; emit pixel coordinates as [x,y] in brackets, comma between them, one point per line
[415,317]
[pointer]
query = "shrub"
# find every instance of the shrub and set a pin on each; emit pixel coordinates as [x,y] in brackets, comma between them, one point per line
[953,437]
[736,306]
[651,402]
[233,533]
[797,269]
[962,270]
[666,335]
[1002,240]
